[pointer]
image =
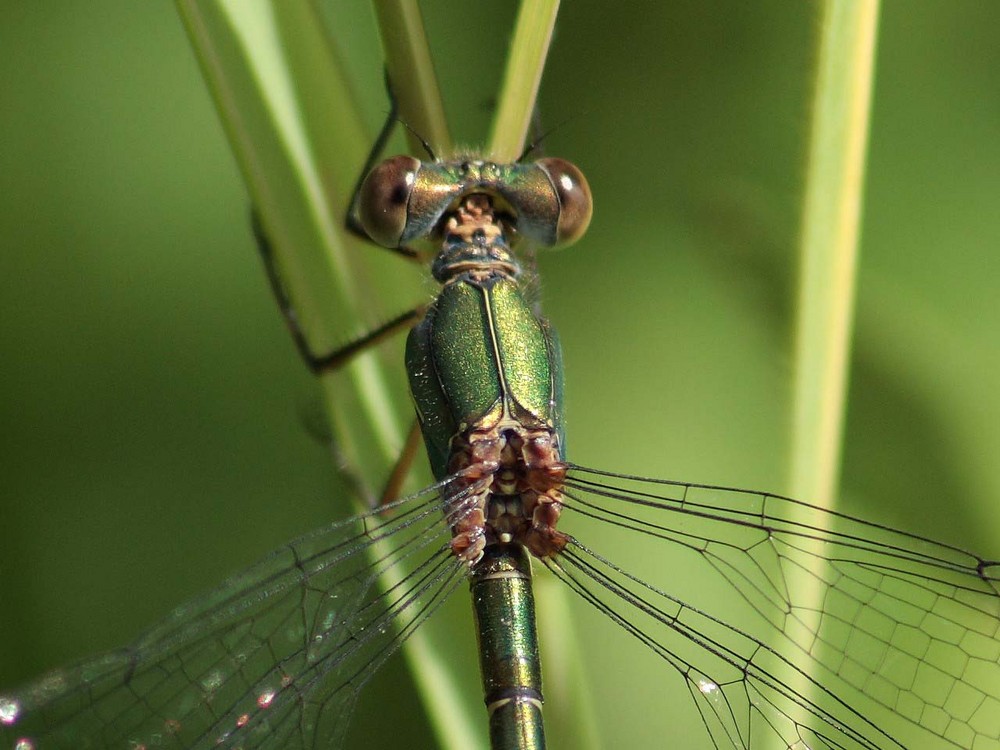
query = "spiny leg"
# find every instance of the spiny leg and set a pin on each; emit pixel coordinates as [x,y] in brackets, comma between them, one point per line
[327,362]
[338,357]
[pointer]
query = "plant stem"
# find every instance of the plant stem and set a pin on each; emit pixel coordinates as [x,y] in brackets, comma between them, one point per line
[522,77]
[829,243]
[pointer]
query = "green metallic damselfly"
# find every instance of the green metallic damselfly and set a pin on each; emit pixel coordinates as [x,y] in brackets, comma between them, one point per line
[277,655]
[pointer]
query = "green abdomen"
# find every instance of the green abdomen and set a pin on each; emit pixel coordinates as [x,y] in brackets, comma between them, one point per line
[480,353]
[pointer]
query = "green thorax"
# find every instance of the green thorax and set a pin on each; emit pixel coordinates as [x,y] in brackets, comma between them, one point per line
[481,355]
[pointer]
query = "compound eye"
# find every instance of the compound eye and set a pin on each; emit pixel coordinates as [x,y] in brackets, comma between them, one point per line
[575,203]
[385,197]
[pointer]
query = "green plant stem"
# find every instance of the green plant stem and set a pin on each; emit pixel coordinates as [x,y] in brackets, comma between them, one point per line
[290,116]
[288,109]
[829,242]
[522,77]
[411,72]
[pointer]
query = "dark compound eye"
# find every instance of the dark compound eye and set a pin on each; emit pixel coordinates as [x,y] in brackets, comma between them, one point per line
[385,197]
[575,203]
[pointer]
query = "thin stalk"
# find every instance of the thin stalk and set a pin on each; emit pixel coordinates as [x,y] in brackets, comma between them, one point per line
[411,73]
[829,249]
[829,243]
[522,77]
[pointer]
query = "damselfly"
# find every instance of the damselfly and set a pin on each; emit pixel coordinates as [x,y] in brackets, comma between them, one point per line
[277,656]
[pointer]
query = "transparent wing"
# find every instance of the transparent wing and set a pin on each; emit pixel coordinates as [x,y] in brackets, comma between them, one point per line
[855,635]
[274,658]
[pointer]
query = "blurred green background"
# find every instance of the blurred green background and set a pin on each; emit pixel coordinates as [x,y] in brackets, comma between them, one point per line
[153,408]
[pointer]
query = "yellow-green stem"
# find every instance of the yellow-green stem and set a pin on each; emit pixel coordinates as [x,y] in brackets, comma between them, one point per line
[829,241]
[411,73]
[522,77]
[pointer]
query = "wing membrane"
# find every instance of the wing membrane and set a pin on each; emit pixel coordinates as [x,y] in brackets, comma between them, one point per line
[274,658]
[847,614]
